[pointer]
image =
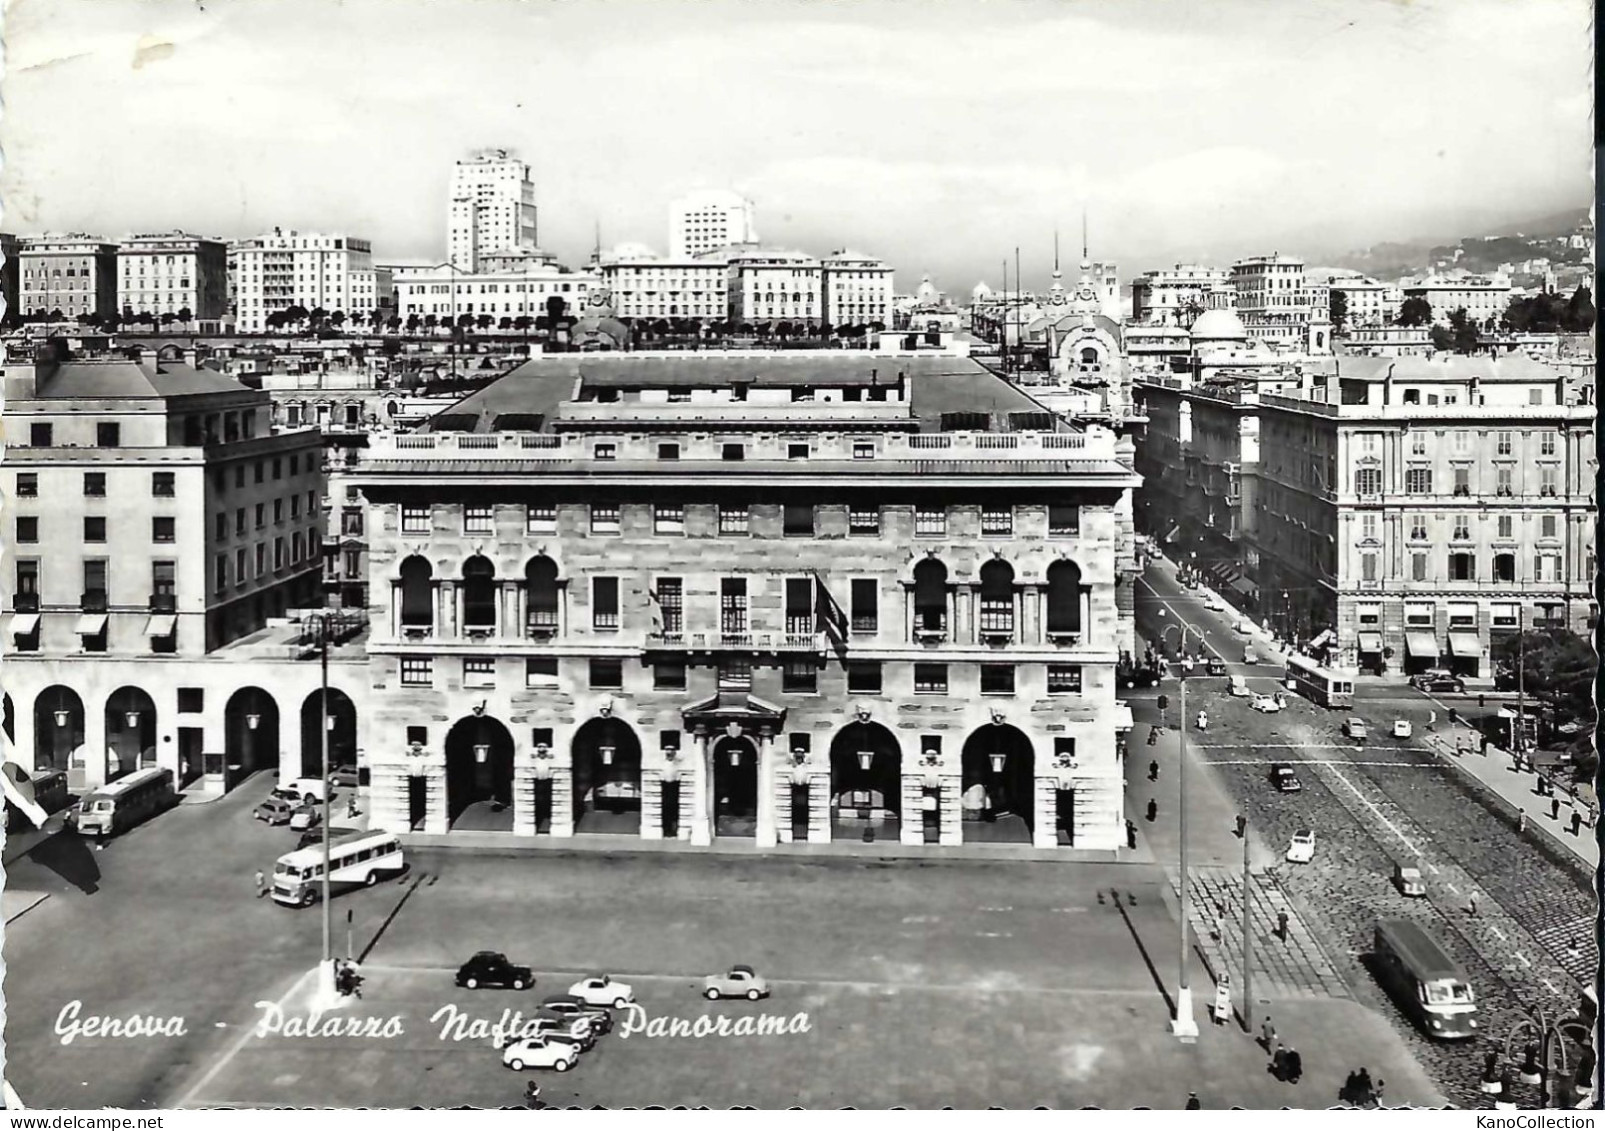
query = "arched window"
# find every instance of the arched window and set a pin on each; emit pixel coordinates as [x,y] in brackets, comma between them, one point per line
[540,584]
[1064,599]
[997,598]
[479,593]
[417,593]
[930,596]
[1089,356]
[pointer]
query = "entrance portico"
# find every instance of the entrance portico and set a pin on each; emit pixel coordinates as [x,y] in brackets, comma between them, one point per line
[731,779]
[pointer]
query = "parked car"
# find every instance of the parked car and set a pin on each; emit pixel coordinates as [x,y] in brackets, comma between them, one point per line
[1408,879]
[1238,687]
[285,793]
[275,811]
[345,776]
[1243,627]
[538,1052]
[491,968]
[307,816]
[1267,704]
[567,1005]
[1213,603]
[599,989]
[1284,779]
[740,981]
[1438,683]
[1250,656]
[1215,666]
[1402,728]
[1356,729]
[315,836]
[1302,848]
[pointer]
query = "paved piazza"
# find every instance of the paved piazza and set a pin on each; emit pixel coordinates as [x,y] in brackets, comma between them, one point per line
[924,983]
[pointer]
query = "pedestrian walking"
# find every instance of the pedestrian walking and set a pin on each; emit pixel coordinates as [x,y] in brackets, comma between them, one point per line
[1267,1034]
[532,1095]
[1192,1102]
[1131,835]
[1554,808]
[1242,826]
[1471,908]
[1153,771]
[261,884]
[1153,809]
[1279,1062]
[1294,1066]
[1577,821]
[1281,925]
[1521,822]
[1376,1094]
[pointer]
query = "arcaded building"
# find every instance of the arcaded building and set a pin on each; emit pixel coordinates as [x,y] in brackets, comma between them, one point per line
[787,598]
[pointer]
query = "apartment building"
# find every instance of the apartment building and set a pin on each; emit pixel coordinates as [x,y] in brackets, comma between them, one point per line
[649,287]
[1279,306]
[75,274]
[858,290]
[275,272]
[773,285]
[446,294]
[490,209]
[707,220]
[153,522]
[756,596]
[174,273]
[1176,296]
[1484,298]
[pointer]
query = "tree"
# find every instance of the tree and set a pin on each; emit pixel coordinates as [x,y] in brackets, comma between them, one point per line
[1414,311]
[276,320]
[168,318]
[1463,336]
[505,324]
[1339,311]
[485,322]
[1557,669]
[393,323]
[413,322]
[337,319]
[430,322]
[1443,338]
[1579,317]
[523,323]
[111,323]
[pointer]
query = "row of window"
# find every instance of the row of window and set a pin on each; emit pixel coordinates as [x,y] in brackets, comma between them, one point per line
[1419,480]
[1462,440]
[1462,566]
[1505,527]
[797,520]
[220,521]
[864,677]
[299,550]
[162,484]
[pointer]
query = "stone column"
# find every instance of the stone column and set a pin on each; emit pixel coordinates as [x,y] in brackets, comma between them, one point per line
[961,615]
[395,608]
[507,611]
[765,832]
[908,615]
[700,783]
[22,752]
[436,819]
[524,815]
[93,751]
[784,777]
[520,625]
[651,804]
[911,829]
[562,799]
[387,797]
[819,808]
[1045,812]
[951,817]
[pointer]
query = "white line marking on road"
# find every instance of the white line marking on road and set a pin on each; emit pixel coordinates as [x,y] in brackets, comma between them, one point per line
[1454,889]
[1497,931]
[1431,867]
[1309,762]
[1276,746]
[1524,961]
[1550,985]
[188,1098]
[1366,801]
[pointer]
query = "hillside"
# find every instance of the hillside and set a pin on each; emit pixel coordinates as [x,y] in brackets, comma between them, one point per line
[1482,252]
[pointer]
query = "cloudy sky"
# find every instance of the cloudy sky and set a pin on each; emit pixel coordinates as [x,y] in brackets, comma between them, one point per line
[938,135]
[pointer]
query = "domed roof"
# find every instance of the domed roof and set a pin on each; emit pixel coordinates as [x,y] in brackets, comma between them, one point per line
[981,290]
[927,291]
[1218,326]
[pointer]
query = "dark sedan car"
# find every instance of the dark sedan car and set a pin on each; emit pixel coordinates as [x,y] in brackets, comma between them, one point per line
[491,968]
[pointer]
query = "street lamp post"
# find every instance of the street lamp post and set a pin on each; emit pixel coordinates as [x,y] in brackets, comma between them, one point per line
[1550,1031]
[1184,1026]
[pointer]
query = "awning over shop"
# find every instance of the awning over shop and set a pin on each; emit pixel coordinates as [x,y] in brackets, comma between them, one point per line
[1465,644]
[23,624]
[1422,645]
[1122,714]
[1322,639]
[1246,587]
[91,624]
[161,624]
[1371,642]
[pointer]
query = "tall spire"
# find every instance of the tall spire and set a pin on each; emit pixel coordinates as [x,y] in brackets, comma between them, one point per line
[1085,258]
[1056,251]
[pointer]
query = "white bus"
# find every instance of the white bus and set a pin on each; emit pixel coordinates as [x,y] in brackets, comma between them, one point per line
[122,804]
[1318,685]
[362,858]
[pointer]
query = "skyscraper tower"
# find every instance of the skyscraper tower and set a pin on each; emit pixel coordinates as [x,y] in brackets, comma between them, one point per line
[708,220]
[491,208]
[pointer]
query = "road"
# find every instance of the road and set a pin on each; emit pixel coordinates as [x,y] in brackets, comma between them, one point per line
[1531,935]
[968,983]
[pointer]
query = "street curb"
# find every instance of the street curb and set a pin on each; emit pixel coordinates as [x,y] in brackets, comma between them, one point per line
[42,896]
[1556,849]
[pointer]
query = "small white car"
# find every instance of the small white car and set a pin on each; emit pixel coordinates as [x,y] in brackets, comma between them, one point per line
[1243,628]
[1356,729]
[1401,728]
[599,989]
[305,817]
[1213,603]
[1250,656]
[740,981]
[1302,848]
[537,1052]
[1266,703]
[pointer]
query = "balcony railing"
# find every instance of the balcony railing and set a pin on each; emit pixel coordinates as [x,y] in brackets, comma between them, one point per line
[25,602]
[997,623]
[164,602]
[541,622]
[738,641]
[93,601]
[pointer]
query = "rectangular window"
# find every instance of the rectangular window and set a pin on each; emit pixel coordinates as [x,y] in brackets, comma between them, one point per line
[541,518]
[1368,567]
[1462,481]
[1368,526]
[668,519]
[798,520]
[239,566]
[605,451]
[797,451]
[733,452]
[930,679]
[162,529]
[733,606]
[671,607]
[1462,567]
[414,519]
[278,513]
[735,674]
[997,679]
[39,435]
[864,521]
[1546,525]
[417,671]
[997,521]
[220,573]
[800,606]
[1418,443]
[1546,443]
[866,605]
[1504,616]
[1504,481]
[605,603]
[930,521]
[668,451]
[1462,528]
[863,449]
[732,520]
[261,515]
[1063,521]
[1418,528]
[108,435]
[863,677]
[191,700]
[95,484]
[1417,481]
[799,677]
[27,529]
[604,518]
[540,671]
[28,485]
[350,522]
[478,520]
[479,673]
[1462,440]
[1548,477]
[1502,444]
[1507,526]
[607,675]
[278,468]
[668,675]
[1064,679]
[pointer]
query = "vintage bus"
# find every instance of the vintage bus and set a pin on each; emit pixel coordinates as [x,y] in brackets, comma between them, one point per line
[1317,684]
[49,793]
[1428,985]
[120,805]
[358,859]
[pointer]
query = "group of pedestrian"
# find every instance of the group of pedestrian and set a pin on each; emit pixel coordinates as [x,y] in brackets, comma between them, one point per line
[1286,1064]
[1359,1091]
